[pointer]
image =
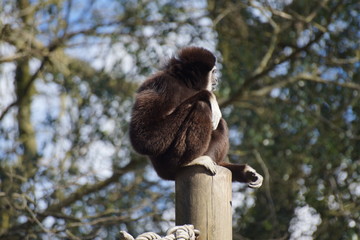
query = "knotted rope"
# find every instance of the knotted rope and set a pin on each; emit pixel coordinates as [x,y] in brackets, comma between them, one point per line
[185,232]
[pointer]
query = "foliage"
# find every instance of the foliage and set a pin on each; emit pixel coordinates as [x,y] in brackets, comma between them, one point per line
[291,86]
[289,91]
[69,72]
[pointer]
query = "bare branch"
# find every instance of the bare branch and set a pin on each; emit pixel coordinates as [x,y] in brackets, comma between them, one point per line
[34,7]
[227,11]
[265,169]
[265,14]
[274,39]
[311,16]
[309,77]
[267,89]
[87,189]
[265,60]
[77,195]
[303,76]
[253,78]
[281,14]
[12,58]
[26,89]
[340,61]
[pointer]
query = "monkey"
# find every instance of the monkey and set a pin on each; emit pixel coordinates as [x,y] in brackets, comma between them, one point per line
[176,120]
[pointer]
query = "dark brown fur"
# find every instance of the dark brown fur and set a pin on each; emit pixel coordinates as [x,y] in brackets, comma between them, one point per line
[171,118]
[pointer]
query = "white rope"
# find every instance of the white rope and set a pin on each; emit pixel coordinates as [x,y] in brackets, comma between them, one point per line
[186,232]
[148,236]
[125,236]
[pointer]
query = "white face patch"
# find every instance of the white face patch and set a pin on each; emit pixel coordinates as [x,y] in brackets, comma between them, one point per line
[212,81]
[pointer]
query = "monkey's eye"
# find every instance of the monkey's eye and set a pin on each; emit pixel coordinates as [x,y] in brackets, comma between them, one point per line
[214,82]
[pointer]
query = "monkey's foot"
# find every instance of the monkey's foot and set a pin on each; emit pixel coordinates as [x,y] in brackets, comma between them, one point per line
[254,179]
[205,161]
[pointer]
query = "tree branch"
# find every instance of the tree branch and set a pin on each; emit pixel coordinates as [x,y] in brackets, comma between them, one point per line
[269,197]
[267,89]
[309,77]
[26,89]
[256,76]
[77,195]
[303,76]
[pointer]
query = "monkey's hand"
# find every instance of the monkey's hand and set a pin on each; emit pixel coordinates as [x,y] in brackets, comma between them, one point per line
[205,161]
[216,113]
[254,179]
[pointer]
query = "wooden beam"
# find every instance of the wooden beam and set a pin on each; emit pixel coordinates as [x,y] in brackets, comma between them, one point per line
[205,201]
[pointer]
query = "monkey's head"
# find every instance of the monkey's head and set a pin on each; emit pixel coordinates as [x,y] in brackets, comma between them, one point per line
[195,66]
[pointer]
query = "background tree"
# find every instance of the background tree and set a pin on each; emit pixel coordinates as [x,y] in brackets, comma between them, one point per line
[289,91]
[69,72]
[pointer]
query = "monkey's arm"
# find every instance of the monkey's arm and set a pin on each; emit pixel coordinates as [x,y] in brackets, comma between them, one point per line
[203,95]
[154,125]
[244,173]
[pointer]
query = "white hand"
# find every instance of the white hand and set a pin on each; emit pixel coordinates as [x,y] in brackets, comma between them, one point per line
[215,110]
[205,161]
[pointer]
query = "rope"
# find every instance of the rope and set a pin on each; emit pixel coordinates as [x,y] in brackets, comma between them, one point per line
[185,232]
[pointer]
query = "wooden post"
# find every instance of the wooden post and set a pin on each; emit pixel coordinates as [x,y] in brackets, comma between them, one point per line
[205,201]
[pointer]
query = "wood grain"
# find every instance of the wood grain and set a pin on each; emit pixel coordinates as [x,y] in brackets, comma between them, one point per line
[205,201]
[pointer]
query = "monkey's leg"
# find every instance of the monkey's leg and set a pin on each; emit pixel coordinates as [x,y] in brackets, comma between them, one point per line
[244,173]
[219,143]
[217,149]
[194,135]
[190,141]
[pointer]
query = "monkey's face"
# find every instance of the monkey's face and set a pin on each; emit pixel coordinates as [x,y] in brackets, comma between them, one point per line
[212,80]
